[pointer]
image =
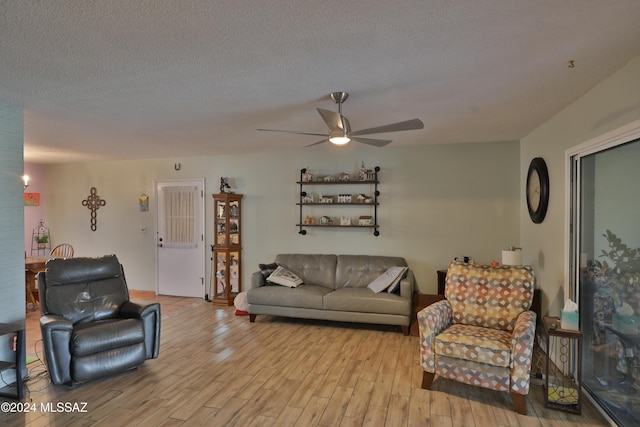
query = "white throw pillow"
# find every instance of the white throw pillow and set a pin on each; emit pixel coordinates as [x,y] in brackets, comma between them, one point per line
[394,286]
[387,278]
[284,277]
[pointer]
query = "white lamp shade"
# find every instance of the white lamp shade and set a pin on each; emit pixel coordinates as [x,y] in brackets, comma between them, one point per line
[512,256]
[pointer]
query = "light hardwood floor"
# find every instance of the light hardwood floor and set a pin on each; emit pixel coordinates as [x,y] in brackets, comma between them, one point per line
[217,369]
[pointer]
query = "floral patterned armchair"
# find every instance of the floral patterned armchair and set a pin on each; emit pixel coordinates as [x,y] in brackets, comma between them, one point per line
[482,333]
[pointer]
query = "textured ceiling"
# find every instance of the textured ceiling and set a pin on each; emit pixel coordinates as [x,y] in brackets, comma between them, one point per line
[115,79]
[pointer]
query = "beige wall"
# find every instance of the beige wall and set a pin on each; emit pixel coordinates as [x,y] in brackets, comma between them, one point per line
[610,105]
[437,202]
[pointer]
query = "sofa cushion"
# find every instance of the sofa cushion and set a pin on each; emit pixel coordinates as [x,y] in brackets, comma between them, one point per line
[364,300]
[357,271]
[303,296]
[318,270]
[484,295]
[482,345]
[96,337]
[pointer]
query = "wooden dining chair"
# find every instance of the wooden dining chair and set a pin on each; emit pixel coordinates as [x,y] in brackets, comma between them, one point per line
[30,283]
[63,250]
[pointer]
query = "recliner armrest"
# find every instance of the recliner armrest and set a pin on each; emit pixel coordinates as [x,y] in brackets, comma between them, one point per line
[56,336]
[522,340]
[150,316]
[130,309]
[432,320]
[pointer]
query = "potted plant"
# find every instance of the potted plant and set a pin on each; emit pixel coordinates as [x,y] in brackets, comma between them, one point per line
[42,241]
[618,280]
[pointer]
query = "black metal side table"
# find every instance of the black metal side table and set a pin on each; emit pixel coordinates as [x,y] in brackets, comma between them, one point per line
[563,386]
[18,331]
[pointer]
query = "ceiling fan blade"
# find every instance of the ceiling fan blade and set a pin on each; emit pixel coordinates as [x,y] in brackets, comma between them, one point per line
[333,119]
[316,143]
[293,131]
[371,141]
[393,127]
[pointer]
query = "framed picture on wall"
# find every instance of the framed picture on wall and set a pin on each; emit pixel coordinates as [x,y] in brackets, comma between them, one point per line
[32,199]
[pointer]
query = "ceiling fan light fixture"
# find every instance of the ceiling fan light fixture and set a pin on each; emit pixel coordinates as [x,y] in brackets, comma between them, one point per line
[339,129]
[340,136]
[339,140]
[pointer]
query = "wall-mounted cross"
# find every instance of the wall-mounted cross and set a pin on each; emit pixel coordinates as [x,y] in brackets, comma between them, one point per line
[93,202]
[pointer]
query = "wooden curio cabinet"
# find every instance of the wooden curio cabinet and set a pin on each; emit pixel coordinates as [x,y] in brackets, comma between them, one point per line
[227,248]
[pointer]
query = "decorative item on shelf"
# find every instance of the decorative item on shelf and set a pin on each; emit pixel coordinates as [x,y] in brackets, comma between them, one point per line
[363,198]
[512,256]
[42,241]
[325,199]
[309,220]
[93,203]
[325,220]
[224,185]
[344,198]
[234,210]
[306,176]
[345,220]
[343,177]
[366,174]
[307,198]
[329,178]
[365,220]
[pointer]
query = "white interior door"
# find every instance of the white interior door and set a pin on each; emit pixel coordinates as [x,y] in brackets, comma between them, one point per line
[180,238]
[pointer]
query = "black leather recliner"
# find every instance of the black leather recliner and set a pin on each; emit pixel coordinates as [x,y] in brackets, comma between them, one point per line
[89,327]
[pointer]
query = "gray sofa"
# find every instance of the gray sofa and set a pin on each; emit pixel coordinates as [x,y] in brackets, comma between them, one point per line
[335,288]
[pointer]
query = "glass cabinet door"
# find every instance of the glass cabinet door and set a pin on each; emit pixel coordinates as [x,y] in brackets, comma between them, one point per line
[234,272]
[221,222]
[221,274]
[234,222]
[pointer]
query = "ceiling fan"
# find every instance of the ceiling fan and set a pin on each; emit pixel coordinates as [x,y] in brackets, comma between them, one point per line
[340,133]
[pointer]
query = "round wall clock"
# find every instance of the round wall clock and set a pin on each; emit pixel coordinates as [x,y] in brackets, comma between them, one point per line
[537,189]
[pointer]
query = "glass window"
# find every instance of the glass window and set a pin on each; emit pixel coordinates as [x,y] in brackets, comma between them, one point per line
[605,262]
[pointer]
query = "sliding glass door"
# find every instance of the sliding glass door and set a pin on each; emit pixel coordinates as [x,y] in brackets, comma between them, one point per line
[605,268]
